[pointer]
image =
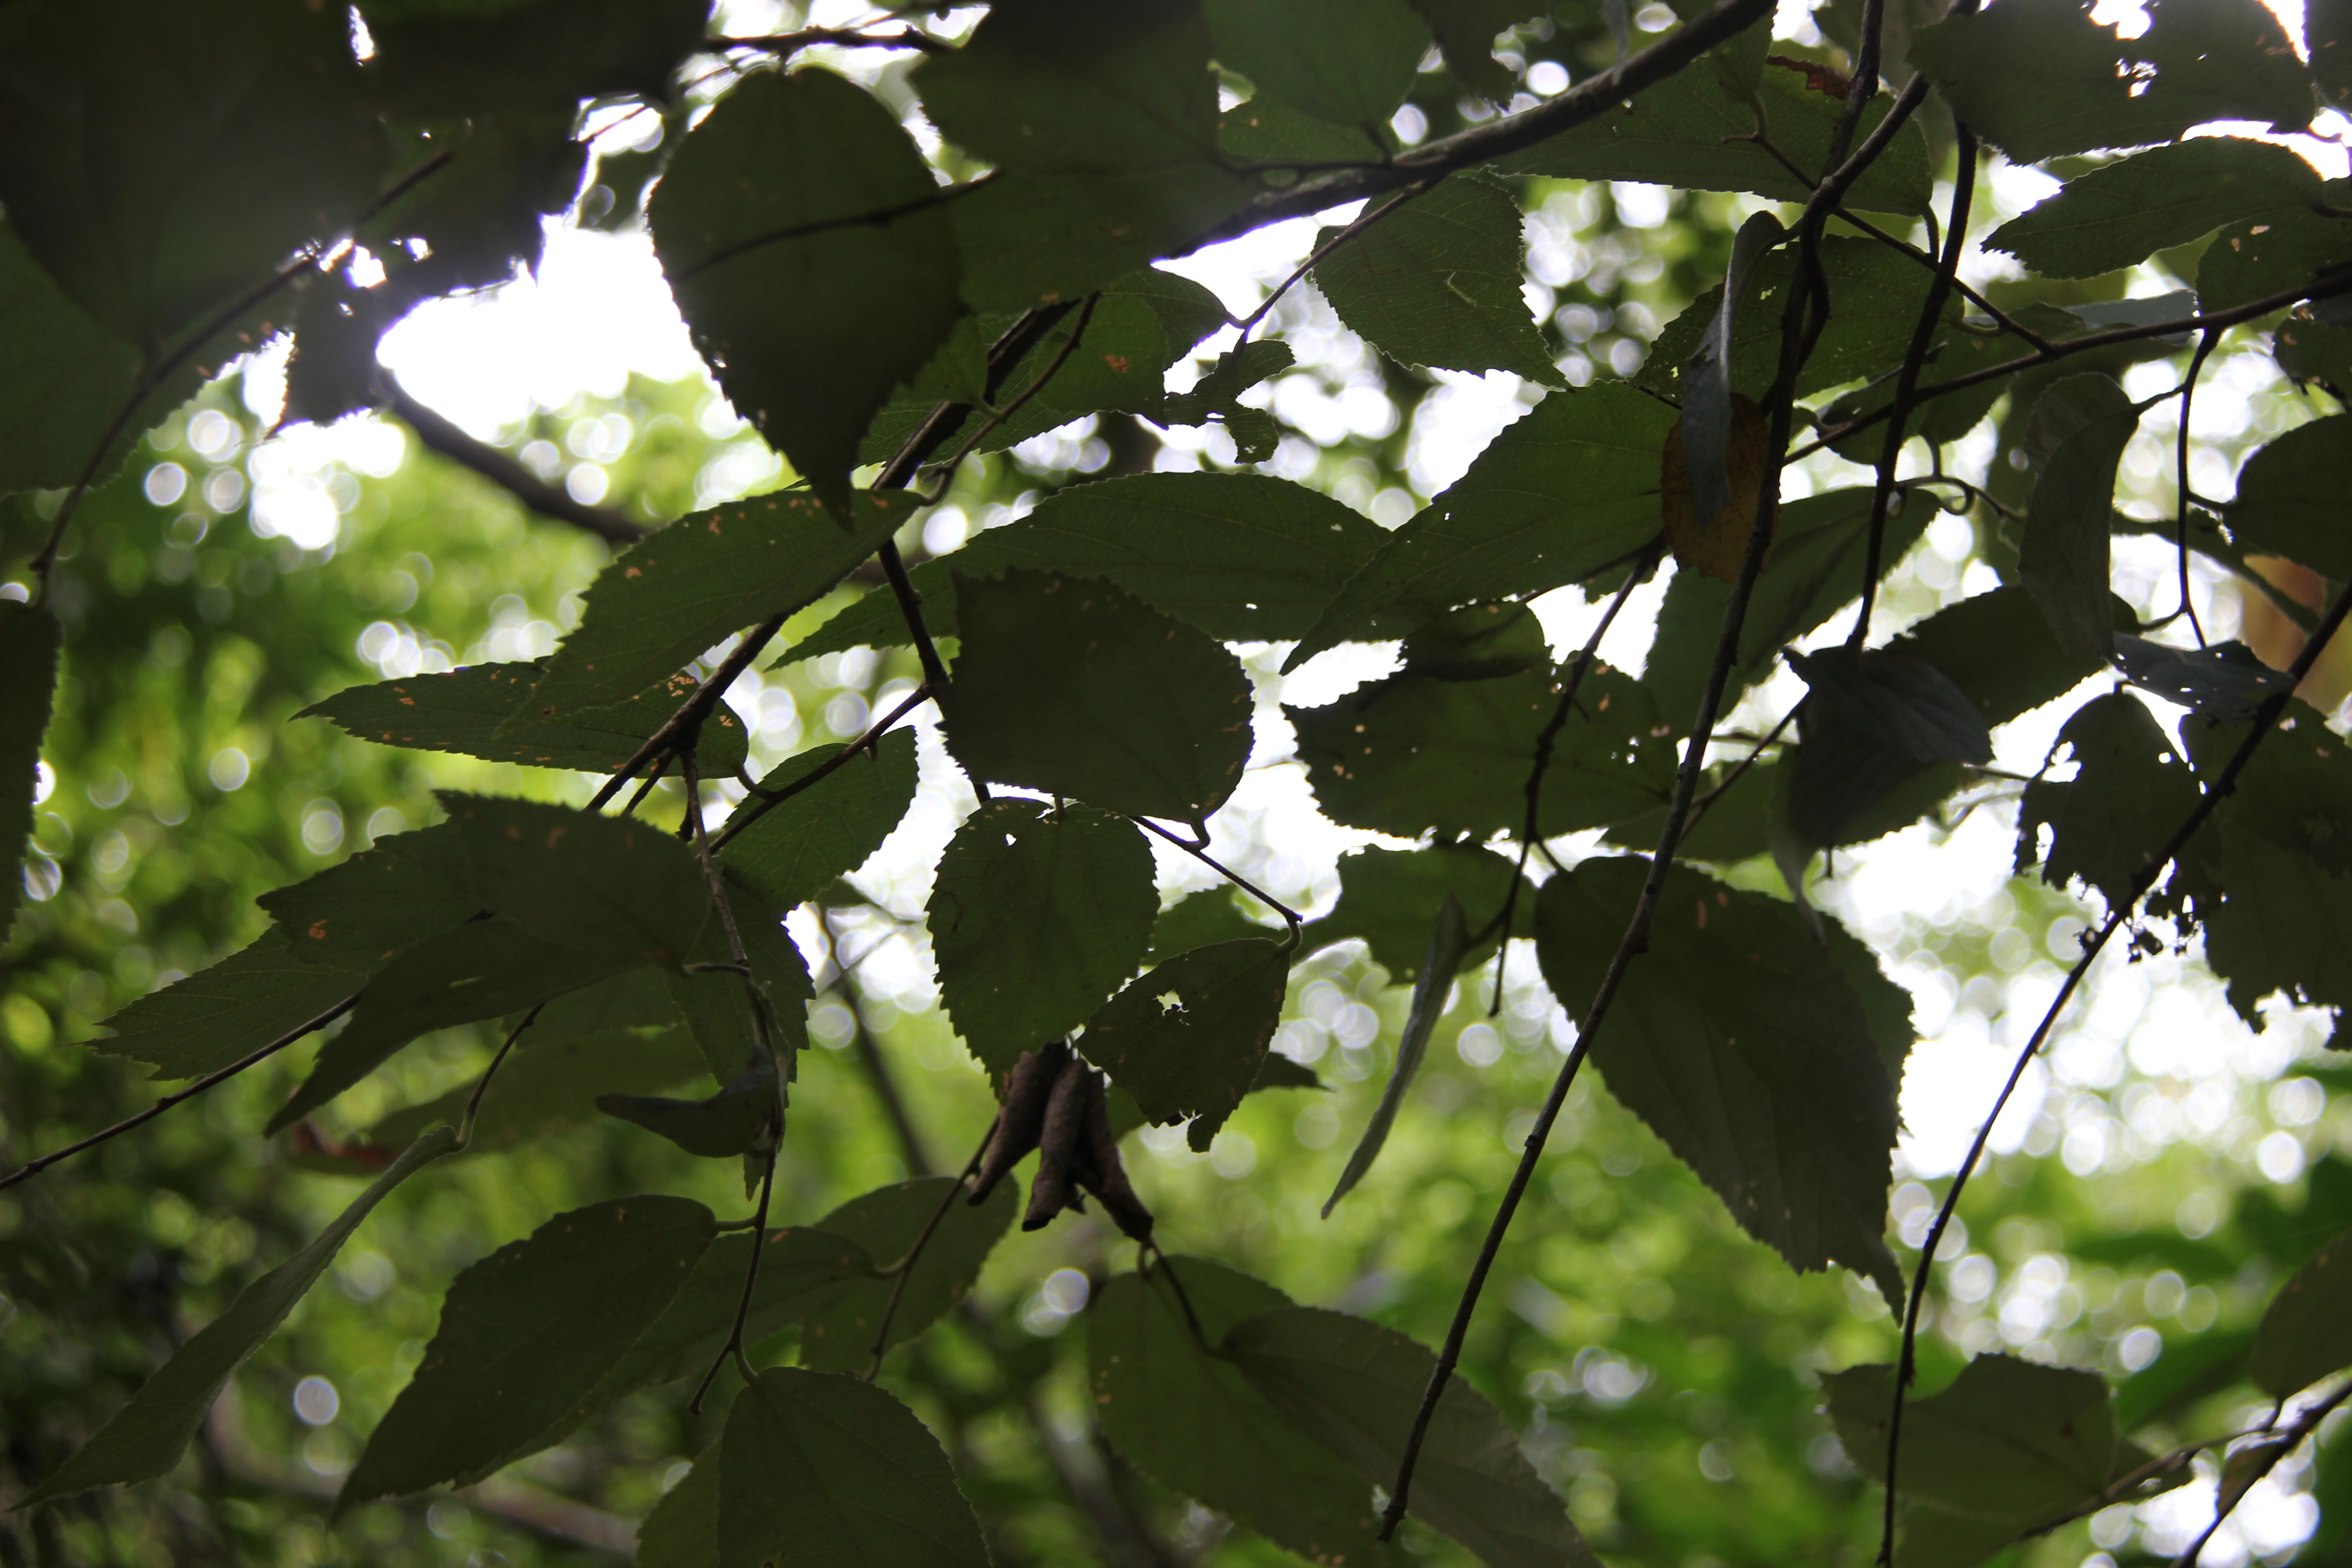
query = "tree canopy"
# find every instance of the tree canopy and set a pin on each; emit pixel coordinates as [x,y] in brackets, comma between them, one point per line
[1358,780]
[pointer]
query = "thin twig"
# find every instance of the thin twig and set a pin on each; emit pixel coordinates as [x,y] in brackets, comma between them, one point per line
[1200,852]
[439,435]
[769,799]
[902,1271]
[1999,317]
[782,44]
[1364,220]
[1796,335]
[1907,380]
[2273,1453]
[2266,718]
[40,1162]
[2205,342]
[474,1102]
[1532,834]
[734,1346]
[996,421]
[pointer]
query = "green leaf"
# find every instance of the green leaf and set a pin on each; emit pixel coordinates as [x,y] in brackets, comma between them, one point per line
[433,60]
[2314,351]
[723,1126]
[1346,61]
[2306,1332]
[357,915]
[525,1331]
[790,855]
[1215,397]
[716,1005]
[147,1437]
[831,1472]
[2129,794]
[484,211]
[1355,1387]
[1706,377]
[2257,257]
[1691,131]
[162,161]
[1903,700]
[549,1085]
[1466,33]
[1449,941]
[682,1530]
[1408,755]
[1478,642]
[227,1012]
[29,640]
[664,601]
[2082,423]
[2126,212]
[2283,923]
[1182,1413]
[1436,283]
[2296,791]
[802,235]
[1102,126]
[63,378]
[1997,647]
[602,884]
[1244,557]
[1814,570]
[1072,685]
[886,1224]
[1565,493]
[1743,1044]
[2291,498]
[1035,916]
[2039,77]
[1200,920]
[483,969]
[466,712]
[2009,1438]
[1390,898]
[1194,1056]
[1267,135]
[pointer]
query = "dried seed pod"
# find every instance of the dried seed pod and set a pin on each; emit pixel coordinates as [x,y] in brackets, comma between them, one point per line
[1104,1174]
[1029,1088]
[1057,1146]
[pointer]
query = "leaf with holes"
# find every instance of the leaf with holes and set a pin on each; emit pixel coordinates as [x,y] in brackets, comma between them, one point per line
[2129,793]
[1071,686]
[1037,916]
[1187,1039]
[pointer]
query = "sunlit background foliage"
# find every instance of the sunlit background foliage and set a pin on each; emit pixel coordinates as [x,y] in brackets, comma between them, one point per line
[2159,1177]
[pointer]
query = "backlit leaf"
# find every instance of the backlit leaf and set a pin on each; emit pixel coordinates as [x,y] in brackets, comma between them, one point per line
[2126,212]
[357,915]
[230,1010]
[1036,917]
[2307,1332]
[1344,61]
[1072,685]
[1197,1054]
[1392,897]
[2128,794]
[1715,547]
[2009,1438]
[682,1530]
[2083,424]
[437,60]
[789,854]
[2290,498]
[148,1435]
[602,884]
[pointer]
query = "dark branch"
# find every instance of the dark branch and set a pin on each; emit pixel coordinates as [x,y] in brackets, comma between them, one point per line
[783,44]
[441,435]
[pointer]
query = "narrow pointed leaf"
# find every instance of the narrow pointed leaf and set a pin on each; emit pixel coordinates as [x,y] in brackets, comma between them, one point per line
[148,1435]
[1448,940]
[525,1331]
[1198,1056]
[829,1472]
[2083,424]
[1706,375]
[1072,685]
[216,1016]
[1392,899]
[733,1122]
[1355,1386]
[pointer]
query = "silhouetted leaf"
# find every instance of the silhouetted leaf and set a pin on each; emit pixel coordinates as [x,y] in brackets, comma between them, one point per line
[148,1435]
[1478,642]
[1346,61]
[1037,916]
[2291,498]
[2306,1333]
[1740,1040]
[2010,1438]
[1998,649]
[433,61]
[602,884]
[1355,1387]
[1200,920]
[1715,547]
[2275,253]
[2083,424]
[1449,940]
[886,1223]
[717,1003]
[465,710]
[831,1472]
[2296,789]
[1902,699]
[1567,491]
[666,600]
[1705,432]
[525,1331]
[1390,898]
[1070,685]
[2126,212]
[733,1122]
[1187,1416]
[802,235]
[2128,794]
[216,1016]
[63,378]
[789,854]
[1436,283]
[28,651]
[2281,924]
[1241,556]
[1187,1038]
[357,915]
[548,1085]
[1408,754]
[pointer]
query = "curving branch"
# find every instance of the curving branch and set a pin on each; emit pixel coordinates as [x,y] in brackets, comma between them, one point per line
[441,435]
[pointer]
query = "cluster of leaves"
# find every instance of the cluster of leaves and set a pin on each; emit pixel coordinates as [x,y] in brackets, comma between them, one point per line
[881,317]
